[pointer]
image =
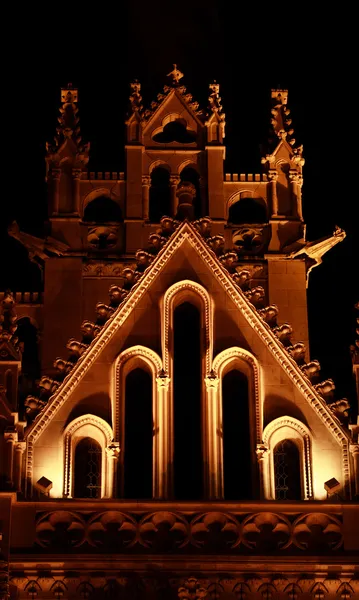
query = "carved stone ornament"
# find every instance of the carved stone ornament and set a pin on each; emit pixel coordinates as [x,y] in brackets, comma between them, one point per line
[191,590]
[269,314]
[256,296]
[326,388]
[102,269]
[311,370]
[340,409]
[250,239]
[135,97]
[102,238]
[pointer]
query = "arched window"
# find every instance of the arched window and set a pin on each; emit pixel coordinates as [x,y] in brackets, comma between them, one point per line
[160,198]
[237,455]
[88,462]
[247,210]
[189,174]
[138,436]
[187,391]
[287,471]
[103,210]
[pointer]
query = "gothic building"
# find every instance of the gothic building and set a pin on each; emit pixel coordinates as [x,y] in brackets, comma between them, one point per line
[164,432]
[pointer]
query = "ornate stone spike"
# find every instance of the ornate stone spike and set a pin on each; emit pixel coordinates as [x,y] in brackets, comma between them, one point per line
[216,242]
[135,97]
[76,348]
[89,331]
[191,590]
[63,366]
[242,278]
[311,370]
[168,226]
[284,333]
[269,314]
[203,225]
[297,352]
[33,405]
[48,385]
[9,343]
[214,98]
[104,312]
[340,409]
[156,241]
[130,277]
[256,295]
[175,75]
[117,294]
[326,389]
[228,260]
[143,259]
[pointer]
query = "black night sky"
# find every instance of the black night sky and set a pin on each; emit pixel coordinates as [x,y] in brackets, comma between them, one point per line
[101,51]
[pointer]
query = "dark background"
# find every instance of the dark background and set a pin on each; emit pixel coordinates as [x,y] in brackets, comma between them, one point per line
[248,51]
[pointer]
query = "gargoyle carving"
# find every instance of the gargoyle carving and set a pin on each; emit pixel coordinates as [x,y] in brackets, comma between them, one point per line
[76,348]
[242,278]
[269,314]
[340,409]
[143,260]
[89,331]
[216,243]
[48,385]
[33,405]
[63,366]
[104,312]
[311,370]
[297,352]
[229,260]
[326,389]
[130,277]
[256,295]
[204,226]
[284,333]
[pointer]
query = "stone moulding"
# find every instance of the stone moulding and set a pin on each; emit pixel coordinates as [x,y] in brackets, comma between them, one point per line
[187,232]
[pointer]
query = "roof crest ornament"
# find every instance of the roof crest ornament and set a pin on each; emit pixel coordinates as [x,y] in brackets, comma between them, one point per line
[176,75]
[135,96]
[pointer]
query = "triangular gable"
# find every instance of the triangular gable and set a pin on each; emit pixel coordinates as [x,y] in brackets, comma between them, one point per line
[285,147]
[187,232]
[173,102]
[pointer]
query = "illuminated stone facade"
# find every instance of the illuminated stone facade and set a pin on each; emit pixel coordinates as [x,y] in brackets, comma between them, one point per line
[110,488]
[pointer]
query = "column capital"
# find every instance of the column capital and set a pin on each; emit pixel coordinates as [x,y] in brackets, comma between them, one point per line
[113,450]
[76,173]
[163,381]
[175,179]
[20,446]
[354,448]
[55,174]
[262,451]
[272,175]
[146,180]
[212,380]
[11,436]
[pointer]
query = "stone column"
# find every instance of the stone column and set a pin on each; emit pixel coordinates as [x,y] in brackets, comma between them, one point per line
[272,177]
[296,181]
[174,181]
[19,451]
[10,438]
[55,176]
[354,450]
[163,440]
[76,174]
[263,453]
[213,439]
[146,182]
[113,453]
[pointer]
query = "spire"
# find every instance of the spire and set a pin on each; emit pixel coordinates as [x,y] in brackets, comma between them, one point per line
[9,343]
[175,74]
[68,139]
[216,119]
[135,97]
[281,125]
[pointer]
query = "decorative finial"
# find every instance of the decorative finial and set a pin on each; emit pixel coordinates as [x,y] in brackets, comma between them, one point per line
[135,97]
[175,74]
[214,98]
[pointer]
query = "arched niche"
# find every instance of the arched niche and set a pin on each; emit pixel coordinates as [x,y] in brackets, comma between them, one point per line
[174,129]
[187,372]
[96,429]
[247,210]
[274,435]
[102,209]
[160,194]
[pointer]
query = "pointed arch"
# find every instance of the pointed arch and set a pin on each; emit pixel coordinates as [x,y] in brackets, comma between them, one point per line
[226,364]
[186,291]
[141,357]
[95,428]
[279,430]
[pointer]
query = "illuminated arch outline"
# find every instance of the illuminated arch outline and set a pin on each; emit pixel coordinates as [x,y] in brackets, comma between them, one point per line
[99,430]
[279,430]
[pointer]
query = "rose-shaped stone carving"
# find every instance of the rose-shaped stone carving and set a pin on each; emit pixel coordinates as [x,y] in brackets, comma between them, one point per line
[60,530]
[164,531]
[215,531]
